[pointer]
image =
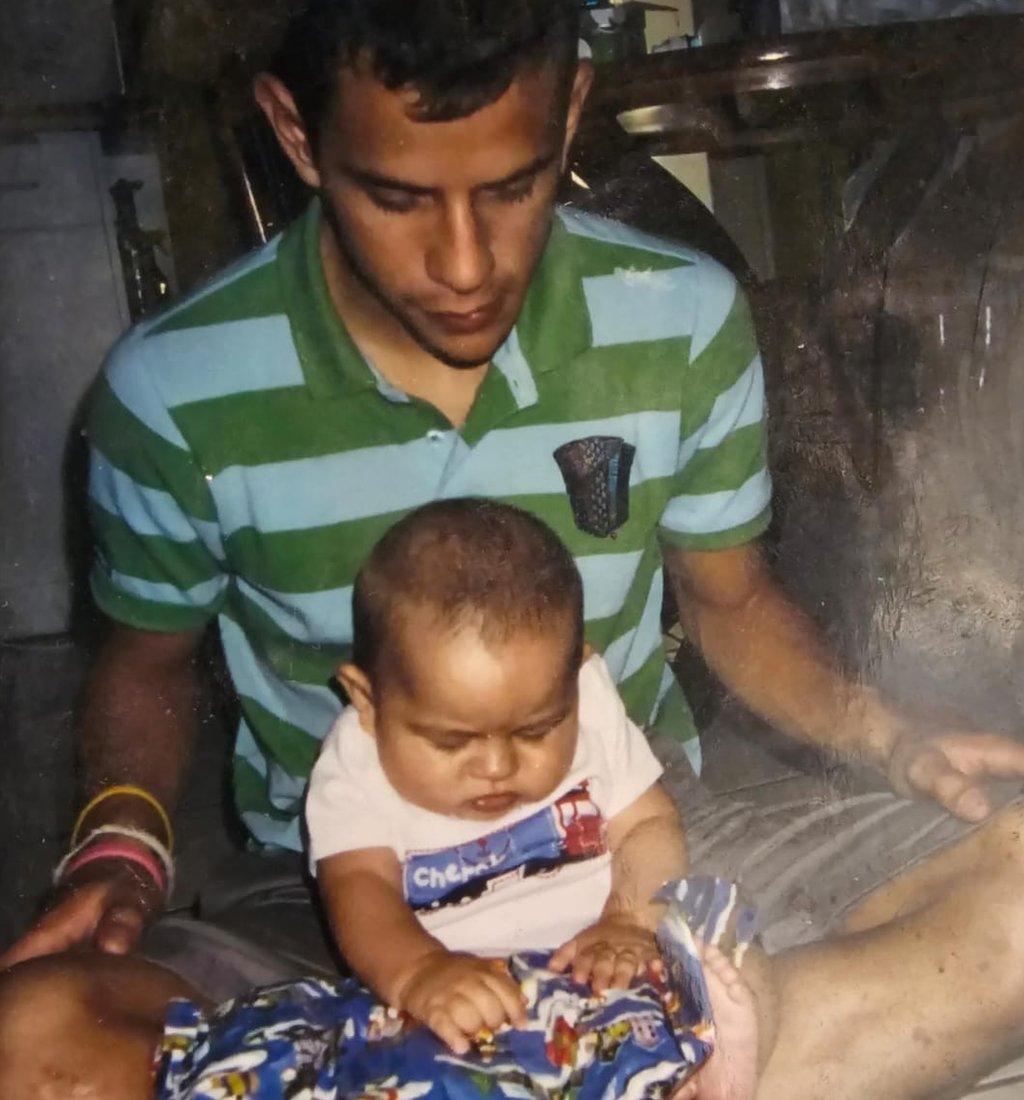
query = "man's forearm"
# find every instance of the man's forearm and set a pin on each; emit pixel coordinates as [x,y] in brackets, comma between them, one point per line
[773,658]
[138,723]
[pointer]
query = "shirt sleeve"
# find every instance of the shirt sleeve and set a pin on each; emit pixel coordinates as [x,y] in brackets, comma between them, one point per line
[721,494]
[159,562]
[345,810]
[630,766]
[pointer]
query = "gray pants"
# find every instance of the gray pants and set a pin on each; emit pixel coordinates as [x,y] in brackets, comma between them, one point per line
[804,861]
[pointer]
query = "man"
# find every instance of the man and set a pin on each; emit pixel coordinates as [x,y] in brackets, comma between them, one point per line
[432,328]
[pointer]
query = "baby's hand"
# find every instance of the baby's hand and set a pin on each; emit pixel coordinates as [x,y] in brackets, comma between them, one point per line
[609,954]
[458,996]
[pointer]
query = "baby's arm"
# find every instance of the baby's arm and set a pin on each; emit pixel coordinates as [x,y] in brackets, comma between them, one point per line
[456,996]
[646,841]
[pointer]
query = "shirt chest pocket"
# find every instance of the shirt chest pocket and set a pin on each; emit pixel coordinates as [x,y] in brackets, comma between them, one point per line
[596,470]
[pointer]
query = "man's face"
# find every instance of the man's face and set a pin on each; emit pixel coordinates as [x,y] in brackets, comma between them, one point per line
[444,222]
[471,729]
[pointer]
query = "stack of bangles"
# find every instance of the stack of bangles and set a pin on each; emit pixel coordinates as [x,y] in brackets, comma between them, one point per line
[134,846]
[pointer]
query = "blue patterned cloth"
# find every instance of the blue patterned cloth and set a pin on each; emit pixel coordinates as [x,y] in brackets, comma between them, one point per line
[321,1040]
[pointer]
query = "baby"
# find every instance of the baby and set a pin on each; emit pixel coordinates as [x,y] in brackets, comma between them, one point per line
[486,793]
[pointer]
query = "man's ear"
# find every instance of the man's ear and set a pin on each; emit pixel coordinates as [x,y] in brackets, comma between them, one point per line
[278,104]
[358,688]
[577,97]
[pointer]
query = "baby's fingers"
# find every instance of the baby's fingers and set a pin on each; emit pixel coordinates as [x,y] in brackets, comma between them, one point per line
[443,1025]
[627,965]
[585,964]
[510,998]
[561,958]
[482,1005]
[613,967]
[607,965]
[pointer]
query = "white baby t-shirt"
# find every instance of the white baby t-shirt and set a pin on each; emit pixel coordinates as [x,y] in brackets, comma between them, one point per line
[529,880]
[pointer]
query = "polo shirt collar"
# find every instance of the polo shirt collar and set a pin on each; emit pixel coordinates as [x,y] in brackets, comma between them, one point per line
[553,326]
[331,363]
[554,323]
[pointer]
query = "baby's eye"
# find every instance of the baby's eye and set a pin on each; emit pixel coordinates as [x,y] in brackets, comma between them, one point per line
[535,734]
[451,743]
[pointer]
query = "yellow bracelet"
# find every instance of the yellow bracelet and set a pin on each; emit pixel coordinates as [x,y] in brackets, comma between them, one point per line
[127,789]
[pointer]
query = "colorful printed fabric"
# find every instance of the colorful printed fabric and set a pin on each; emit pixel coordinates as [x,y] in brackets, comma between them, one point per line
[246,458]
[320,1040]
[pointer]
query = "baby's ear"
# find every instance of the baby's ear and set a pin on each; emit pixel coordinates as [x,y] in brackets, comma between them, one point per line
[356,685]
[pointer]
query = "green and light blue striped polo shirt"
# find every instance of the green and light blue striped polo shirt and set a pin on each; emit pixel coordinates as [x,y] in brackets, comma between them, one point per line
[245,458]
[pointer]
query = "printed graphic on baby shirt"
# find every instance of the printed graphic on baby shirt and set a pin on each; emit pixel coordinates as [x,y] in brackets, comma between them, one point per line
[570,830]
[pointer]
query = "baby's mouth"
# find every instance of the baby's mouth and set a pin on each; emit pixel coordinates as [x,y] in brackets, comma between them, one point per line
[494,803]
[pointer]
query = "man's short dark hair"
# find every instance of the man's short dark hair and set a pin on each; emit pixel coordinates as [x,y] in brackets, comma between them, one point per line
[458,55]
[467,562]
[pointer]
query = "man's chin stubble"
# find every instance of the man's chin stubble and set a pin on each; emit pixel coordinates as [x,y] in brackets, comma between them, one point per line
[356,268]
[452,360]
[428,345]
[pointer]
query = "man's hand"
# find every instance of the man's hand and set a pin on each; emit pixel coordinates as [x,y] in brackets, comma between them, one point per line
[457,996]
[952,768]
[106,905]
[609,954]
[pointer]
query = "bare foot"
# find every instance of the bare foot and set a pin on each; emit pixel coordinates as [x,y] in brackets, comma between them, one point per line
[731,1072]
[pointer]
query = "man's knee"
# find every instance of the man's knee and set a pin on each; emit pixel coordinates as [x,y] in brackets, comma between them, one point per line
[36,999]
[42,1002]
[1002,840]
[995,889]
[85,1022]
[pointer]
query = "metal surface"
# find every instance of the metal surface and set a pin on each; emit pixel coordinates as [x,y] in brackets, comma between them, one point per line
[845,85]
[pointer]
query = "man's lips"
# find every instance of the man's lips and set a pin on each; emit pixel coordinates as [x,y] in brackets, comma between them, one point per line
[469,321]
[494,803]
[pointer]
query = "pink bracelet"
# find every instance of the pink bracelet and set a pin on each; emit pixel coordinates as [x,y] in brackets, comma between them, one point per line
[111,847]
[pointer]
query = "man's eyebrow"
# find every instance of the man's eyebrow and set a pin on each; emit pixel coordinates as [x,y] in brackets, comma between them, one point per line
[369,178]
[538,164]
[373,179]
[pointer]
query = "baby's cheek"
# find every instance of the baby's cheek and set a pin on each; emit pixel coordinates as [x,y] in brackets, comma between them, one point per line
[546,771]
[418,775]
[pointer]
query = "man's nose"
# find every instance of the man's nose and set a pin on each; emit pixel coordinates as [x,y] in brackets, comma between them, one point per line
[495,760]
[460,255]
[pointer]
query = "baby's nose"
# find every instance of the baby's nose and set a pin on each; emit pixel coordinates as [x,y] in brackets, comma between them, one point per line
[497,758]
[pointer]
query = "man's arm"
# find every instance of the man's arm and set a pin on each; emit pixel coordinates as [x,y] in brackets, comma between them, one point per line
[137,726]
[772,657]
[139,721]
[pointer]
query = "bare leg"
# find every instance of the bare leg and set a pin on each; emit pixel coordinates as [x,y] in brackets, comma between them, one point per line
[926,991]
[83,1026]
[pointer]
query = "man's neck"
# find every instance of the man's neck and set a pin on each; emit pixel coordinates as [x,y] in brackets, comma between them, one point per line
[385,343]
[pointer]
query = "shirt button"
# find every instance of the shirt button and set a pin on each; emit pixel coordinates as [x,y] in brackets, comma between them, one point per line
[435,435]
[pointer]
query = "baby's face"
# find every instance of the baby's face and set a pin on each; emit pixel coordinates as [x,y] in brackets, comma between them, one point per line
[472,729]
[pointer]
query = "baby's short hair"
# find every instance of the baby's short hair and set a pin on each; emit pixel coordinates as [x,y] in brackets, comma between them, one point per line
[467,562]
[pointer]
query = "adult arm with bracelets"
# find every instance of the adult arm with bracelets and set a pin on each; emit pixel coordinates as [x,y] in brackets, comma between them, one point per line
[137,727]
[160,576]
